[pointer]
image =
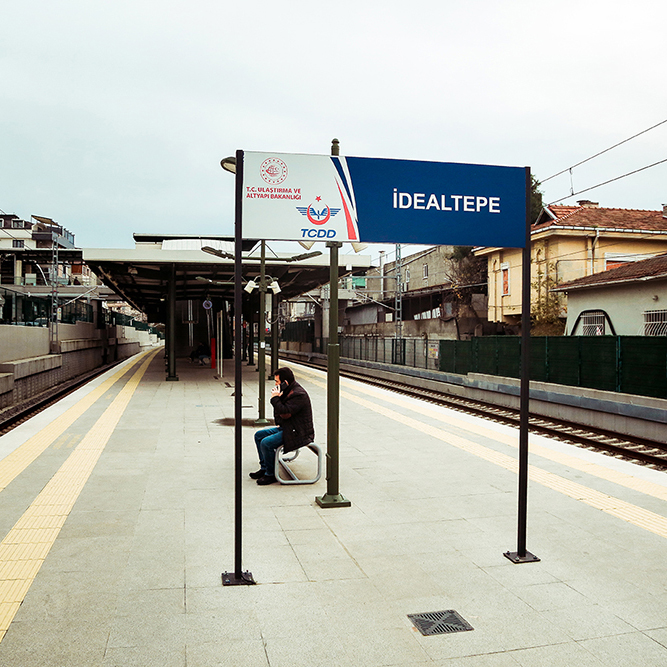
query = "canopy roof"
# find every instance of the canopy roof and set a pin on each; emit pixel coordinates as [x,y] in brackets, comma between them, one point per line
[140,276]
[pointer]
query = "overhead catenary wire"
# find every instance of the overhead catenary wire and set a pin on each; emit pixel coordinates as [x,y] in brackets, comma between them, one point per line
[611,180]
[606,150]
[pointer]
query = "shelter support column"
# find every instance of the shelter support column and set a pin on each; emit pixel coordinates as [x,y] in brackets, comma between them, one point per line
[171,327]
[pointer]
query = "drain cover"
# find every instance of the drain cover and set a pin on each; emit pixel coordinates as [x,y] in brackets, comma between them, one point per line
[439,622]
[230,421]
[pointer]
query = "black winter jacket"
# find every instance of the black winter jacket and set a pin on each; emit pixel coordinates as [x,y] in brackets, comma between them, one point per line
[294,413]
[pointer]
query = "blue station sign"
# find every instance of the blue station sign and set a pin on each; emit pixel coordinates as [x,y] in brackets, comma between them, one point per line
[375,200]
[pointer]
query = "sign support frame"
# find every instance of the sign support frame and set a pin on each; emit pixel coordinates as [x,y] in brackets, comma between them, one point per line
[521,555]
[333,497]
[238,577]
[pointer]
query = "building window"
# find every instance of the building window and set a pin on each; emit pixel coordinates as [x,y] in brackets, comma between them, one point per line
[593,323]
[505,275]
[17,243]
[425,271]
[612,260]
[655,323]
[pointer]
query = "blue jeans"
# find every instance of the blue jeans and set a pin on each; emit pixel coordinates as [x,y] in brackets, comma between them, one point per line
[267,441]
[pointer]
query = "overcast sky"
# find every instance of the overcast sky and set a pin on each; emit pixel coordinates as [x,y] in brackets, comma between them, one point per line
[114,115]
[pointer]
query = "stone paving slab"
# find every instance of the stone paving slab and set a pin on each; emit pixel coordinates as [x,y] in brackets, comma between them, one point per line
[134,576]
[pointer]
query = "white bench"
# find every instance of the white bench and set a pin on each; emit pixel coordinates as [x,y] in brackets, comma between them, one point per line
[284,458]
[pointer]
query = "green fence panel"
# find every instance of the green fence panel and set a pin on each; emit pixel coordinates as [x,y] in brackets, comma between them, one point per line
[485,355]
[598,362]
[631,364]
[539,348]
[564,360]
[643,365]
[463,361]
[509,356]
[301,331]
[447,356]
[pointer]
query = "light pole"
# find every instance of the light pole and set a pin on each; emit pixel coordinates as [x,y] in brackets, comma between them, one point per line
[265,282]
[261,352]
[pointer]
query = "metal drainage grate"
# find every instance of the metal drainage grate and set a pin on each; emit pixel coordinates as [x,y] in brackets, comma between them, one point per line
[230,421]
[439,622]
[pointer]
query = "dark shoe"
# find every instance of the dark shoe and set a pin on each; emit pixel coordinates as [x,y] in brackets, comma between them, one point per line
[266,479]
[257,475]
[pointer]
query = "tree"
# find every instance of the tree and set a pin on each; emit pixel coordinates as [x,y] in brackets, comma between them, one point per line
[546,309]
[467,275]
[536,203]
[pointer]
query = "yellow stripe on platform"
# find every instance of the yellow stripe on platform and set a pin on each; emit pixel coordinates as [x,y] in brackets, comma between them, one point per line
[27,544]
[589,467]
[15,463]
[628,512]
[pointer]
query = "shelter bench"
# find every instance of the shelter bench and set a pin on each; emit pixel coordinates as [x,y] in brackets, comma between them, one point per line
[284,458]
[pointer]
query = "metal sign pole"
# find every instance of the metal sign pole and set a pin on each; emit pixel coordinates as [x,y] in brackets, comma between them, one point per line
[521,555]
[238,577]
[333,498]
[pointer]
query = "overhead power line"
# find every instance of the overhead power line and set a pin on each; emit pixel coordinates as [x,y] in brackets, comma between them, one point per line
[606,150]
[611,180]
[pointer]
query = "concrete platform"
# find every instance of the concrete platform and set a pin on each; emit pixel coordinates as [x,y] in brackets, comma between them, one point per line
[116,513]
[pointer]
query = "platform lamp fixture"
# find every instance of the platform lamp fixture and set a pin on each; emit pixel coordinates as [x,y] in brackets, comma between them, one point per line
[265,283]
[262,283]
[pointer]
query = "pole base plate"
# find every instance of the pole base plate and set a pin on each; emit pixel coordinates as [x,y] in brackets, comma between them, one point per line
[328,500]
[261,422]
[230,579]
[517,559]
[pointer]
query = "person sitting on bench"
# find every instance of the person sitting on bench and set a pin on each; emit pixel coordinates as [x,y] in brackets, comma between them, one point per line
[294,424]
[200,353]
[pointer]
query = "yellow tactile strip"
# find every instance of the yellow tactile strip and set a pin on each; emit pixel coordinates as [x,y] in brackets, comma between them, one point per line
[27,544]
[616,476]
[16,462]
[638,516]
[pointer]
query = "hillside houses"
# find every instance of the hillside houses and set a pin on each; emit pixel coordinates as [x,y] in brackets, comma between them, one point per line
[568,243]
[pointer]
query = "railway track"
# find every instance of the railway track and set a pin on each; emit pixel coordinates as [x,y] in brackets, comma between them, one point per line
[638,450]
[15,415]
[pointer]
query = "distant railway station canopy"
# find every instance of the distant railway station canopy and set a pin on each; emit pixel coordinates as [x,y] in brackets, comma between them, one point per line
[140,275]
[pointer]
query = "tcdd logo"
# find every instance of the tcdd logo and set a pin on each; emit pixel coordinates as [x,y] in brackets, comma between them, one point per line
[318,217]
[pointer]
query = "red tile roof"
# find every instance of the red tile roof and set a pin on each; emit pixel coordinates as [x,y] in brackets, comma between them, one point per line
[645,269]
[602,218]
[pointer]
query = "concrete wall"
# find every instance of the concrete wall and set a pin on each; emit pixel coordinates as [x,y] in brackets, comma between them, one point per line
[625,305]
[27,368]
[367,314]
[435,328]
[78,330]
[18,342]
